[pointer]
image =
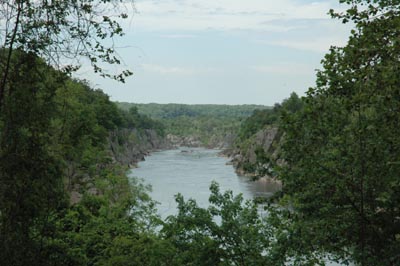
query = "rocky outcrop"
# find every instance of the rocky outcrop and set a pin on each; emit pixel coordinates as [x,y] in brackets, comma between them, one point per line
[126,147]
[244,156]
[129,146]
[213,142]
[184,141]
[222,143]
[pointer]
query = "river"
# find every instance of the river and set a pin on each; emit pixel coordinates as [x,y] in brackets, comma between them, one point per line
[190,171]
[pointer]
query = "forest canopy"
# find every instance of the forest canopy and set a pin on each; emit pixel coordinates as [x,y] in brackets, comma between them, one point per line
[65,199]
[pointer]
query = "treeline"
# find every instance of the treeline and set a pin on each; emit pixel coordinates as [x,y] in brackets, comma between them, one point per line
[168,111]
[208,131]
[205,125]
[339,168]
[131,118]
[259,119]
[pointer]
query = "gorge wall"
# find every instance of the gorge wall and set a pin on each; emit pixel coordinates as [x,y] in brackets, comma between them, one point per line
[129,146]
[251,157]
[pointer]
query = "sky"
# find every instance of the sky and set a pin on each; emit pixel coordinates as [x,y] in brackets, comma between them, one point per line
[222,51]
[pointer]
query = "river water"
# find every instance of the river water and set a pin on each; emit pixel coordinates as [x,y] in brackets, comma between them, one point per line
[190,171]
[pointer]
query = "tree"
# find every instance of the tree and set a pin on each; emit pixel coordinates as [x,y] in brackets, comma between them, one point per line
[229,232]
[341,175]
[61,32]
[53,143]
[30,173]
[292,104]
[38,38]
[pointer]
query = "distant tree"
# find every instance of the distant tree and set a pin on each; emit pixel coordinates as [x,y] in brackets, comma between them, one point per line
[292,104]
[257,121]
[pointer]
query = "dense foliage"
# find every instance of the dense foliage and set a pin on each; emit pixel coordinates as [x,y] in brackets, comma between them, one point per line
[161,111]
[53,131]
[64,200]
[258,139]
[131,118]
[268,117]
[342,172]
[210,125]
[208,130]
[62,33]
[54,152]
[228,232]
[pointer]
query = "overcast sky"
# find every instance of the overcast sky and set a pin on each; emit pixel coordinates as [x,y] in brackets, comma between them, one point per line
[223,51]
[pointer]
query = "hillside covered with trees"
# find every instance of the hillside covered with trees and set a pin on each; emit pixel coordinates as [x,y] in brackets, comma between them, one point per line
[65,198]
[210,125]
[162,111]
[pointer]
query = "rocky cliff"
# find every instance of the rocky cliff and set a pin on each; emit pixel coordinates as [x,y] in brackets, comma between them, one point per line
[129,146]
[250,157]
[213,142]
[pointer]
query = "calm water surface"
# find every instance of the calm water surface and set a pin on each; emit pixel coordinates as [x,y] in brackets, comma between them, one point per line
[190,171]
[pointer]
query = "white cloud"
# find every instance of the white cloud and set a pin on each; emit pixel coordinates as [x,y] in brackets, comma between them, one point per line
[318,44]
[178,36]
[316,35]
[177,70]
[166,70]
[224,14]
[287,69]
[303,25]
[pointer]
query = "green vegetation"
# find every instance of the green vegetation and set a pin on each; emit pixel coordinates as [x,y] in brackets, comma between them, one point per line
[64,200]
[228,232]
[338,154]
[211,125]
[54,150]
[257,143]
[133,119]
[72,204]
[341,175]
[268,117]
[210,131]
[162,111]
[113,223]
[59,31]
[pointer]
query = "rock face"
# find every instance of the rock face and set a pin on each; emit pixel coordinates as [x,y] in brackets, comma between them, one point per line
[185,141]
[214,142]
[129,146]
[222,142]
[244,156]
